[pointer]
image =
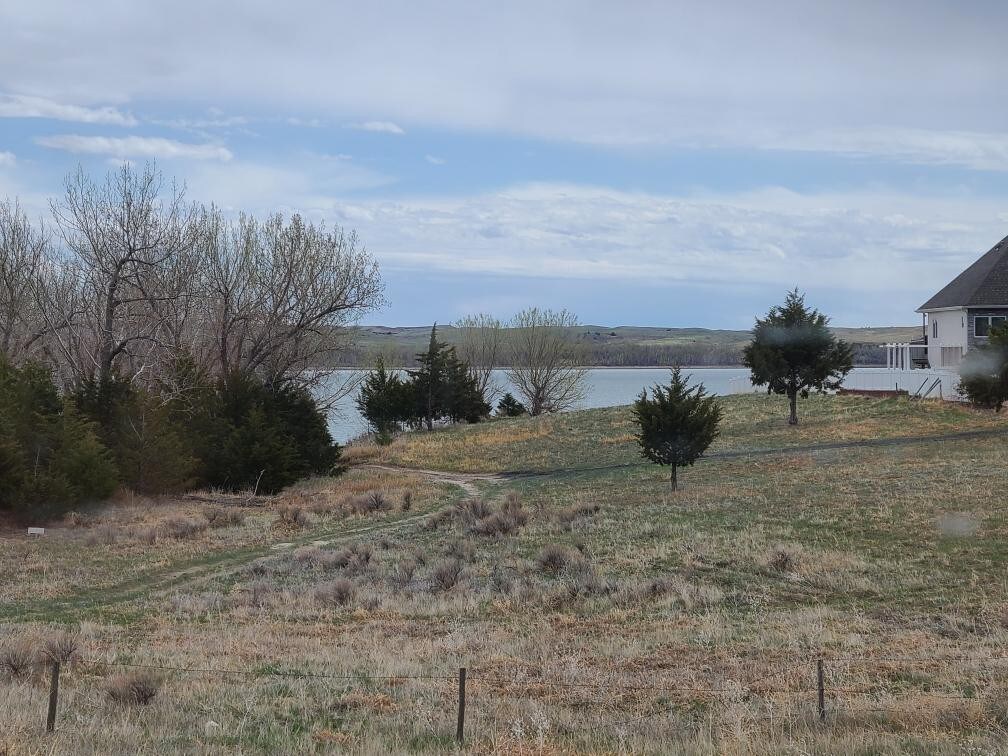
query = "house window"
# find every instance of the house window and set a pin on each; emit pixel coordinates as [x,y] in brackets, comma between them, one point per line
[934,328]
[982,324]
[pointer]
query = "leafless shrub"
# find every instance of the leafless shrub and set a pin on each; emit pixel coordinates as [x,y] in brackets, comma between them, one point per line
[291,516]
[570,516]
[338,592]
[438,520]
[469,511]
[134,688]
[782,560]
[63,647]
[75,520]
[481,519]
[554,558]
[656,588]
[260,593]
[446,575]
[353,558]
[376,501]
[404,573]
[18,660]
[223,517]
[407,501]
[459,549]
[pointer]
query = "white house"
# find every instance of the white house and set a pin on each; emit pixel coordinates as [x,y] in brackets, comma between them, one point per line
[959,316]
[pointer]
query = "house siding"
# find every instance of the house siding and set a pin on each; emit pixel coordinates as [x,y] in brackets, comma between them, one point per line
[972,340]
[951,337]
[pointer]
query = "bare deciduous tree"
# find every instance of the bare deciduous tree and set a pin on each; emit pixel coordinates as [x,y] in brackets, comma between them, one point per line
[24,249]
[120,237]
[546,359]
[281,295]
[481,346]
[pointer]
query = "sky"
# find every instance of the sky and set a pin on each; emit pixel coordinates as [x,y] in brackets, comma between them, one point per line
[638,163]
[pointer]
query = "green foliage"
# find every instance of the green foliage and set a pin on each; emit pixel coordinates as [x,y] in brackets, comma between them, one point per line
[508,406]
[677,423]
[252,434]
[984,371]
[152,446]
[793,352]
[50,457]
[443,388]
[385,401]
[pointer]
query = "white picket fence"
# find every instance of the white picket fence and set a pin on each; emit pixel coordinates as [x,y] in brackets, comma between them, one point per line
[934,384]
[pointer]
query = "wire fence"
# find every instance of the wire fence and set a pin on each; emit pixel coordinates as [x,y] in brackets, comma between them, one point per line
[817,690]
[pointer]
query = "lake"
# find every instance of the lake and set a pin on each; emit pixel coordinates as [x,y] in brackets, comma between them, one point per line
[609,387]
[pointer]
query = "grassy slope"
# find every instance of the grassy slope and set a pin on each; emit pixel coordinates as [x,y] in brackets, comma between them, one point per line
[683,620]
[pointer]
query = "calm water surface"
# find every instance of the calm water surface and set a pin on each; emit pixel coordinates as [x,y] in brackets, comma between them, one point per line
[610,387]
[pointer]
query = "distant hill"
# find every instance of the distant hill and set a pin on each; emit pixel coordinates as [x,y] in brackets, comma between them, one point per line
[623,346]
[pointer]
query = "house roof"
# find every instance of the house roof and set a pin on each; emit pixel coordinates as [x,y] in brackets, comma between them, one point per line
[982,284]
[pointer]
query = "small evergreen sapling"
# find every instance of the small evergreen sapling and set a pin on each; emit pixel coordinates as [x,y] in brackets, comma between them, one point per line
[677,423]
[508,406]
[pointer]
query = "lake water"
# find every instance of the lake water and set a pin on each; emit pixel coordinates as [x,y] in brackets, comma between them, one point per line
[610,387]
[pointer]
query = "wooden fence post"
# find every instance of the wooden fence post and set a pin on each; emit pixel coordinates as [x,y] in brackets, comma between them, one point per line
[460,729]
[820,683]
[53,696]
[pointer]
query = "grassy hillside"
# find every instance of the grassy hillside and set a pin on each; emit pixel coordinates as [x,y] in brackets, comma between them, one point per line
[624,345]
[595,610]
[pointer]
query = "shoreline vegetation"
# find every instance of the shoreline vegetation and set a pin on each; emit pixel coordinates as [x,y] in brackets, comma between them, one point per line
[619,346]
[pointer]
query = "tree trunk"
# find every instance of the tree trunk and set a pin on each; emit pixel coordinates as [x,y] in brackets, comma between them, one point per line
[793,397]
[672,477]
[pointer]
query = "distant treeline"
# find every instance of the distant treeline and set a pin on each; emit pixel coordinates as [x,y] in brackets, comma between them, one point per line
[622,355]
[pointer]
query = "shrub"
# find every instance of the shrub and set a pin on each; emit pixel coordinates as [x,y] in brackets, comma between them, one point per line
[552,559]
[570,516]
[292,516]
[51,458]
[984,371]
[339,592]
[223,517]
[510,407]
[180,527]
[354,558]
[134,688]
[446,575]
[782,560]
[407,501]
[18,660]
[62,647]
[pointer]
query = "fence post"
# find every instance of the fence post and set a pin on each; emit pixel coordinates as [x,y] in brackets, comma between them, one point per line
[53,696]
[460,729]
[820,683]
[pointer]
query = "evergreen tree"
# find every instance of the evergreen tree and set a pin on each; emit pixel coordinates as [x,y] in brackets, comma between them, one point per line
[677,423]
[508,406]
[443,388]
[984,371]
[793,352]
[385,401]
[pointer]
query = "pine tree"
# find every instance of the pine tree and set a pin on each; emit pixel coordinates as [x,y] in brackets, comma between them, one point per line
[443,387]
[385,401]
[508,406]
[677,423]
[793,352]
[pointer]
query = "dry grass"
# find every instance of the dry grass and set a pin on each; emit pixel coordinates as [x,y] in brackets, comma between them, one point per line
[617,617]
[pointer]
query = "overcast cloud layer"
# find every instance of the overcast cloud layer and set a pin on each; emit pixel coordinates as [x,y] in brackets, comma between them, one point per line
[738,149]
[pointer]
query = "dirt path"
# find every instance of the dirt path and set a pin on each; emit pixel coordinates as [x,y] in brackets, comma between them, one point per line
[466,481]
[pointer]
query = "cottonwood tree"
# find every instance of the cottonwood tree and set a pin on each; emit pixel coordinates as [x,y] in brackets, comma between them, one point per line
[24,251]
[676,423]
[119,236]
[480,345]
[281,294]
[793,352]
[545,359]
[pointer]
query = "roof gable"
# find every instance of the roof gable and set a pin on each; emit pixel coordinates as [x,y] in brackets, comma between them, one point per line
[982,284]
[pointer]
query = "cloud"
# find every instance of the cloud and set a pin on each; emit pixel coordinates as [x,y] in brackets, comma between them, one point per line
[7,158]
[731,74]
[434,160]
[24,106]
[382,127]
[871,245]
[135,146]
